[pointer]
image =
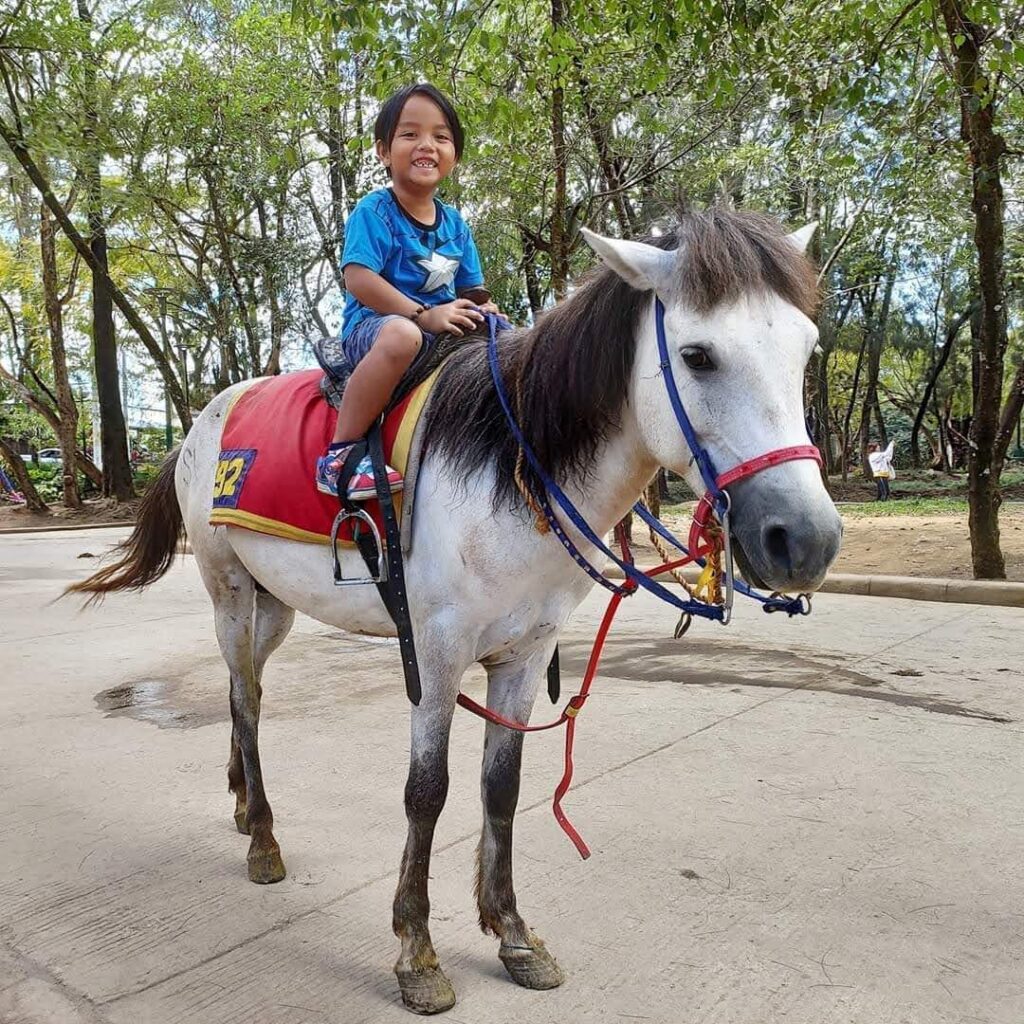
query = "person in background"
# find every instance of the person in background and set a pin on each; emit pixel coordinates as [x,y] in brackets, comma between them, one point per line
[882,468]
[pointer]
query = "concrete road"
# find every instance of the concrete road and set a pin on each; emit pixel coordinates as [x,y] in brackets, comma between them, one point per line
[810,821]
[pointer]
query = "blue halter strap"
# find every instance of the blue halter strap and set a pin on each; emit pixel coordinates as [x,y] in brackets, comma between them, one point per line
[776,602]
[698,451]
[631,573]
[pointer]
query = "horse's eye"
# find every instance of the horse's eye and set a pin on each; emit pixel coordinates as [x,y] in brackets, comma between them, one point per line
[697,359]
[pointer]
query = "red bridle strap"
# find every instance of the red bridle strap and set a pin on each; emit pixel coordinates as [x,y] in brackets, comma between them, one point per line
[766,461]
[702,513]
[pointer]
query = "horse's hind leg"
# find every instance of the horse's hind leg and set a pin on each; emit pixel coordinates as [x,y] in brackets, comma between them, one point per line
[234,595]
[425,989]
[511,690]
[272,622]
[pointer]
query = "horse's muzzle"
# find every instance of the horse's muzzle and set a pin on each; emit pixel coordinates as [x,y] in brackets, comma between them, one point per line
[780,545]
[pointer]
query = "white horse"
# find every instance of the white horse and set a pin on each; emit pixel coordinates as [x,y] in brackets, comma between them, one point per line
[484,585]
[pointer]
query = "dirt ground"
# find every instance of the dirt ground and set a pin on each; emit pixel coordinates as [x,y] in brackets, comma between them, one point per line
[926,545]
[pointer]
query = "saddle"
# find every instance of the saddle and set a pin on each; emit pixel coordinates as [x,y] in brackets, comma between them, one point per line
[273,433]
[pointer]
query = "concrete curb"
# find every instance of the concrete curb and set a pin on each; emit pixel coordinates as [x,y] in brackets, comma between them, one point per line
[71,527]
[923,588]
[911,588]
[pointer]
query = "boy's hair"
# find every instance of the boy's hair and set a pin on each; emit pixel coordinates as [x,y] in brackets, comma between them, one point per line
[387,120]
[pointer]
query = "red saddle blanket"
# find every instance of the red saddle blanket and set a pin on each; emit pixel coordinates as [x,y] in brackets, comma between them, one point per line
[273,433]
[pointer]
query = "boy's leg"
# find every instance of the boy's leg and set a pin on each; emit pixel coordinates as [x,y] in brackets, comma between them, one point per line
[371,384]
[375,378]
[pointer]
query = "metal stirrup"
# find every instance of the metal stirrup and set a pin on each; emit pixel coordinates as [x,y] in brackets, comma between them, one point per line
[382,565]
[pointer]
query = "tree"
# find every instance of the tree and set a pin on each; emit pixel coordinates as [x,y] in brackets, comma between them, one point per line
[989,435]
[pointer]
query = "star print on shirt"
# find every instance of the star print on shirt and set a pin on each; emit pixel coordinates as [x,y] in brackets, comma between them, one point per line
[440,271]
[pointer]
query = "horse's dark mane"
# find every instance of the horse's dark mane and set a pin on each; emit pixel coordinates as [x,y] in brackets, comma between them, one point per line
[567,377]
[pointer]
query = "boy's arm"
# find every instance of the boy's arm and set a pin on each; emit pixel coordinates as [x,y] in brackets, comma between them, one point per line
[372,290]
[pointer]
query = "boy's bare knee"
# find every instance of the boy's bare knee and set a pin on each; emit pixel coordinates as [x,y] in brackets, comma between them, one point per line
[399,340]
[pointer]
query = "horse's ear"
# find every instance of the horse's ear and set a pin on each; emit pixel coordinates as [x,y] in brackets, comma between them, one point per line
[801,238]
[643,266]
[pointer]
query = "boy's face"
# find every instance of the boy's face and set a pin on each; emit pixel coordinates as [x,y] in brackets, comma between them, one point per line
[422,151]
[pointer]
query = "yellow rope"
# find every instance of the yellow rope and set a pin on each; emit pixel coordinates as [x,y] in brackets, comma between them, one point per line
[540,521]
[709,584]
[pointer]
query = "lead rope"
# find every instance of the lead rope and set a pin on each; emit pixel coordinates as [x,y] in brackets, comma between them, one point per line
[576,702]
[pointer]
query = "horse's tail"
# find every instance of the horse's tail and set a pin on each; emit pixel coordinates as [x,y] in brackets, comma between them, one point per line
[148,553]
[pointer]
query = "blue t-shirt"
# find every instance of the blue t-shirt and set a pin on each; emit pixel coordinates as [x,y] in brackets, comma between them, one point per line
[430,263]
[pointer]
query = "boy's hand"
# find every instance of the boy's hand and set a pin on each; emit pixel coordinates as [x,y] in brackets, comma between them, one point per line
[458,318]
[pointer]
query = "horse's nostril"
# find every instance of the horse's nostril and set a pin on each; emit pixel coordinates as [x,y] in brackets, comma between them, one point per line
[776,542]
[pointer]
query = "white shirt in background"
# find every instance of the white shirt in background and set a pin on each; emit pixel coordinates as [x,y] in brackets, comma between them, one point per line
[881,462]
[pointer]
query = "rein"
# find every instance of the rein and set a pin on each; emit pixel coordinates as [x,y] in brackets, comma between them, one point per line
[708,547]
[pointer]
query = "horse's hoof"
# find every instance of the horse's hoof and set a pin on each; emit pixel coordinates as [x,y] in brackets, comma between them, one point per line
[240,822]
[531,966]
[427,991]
[265,866]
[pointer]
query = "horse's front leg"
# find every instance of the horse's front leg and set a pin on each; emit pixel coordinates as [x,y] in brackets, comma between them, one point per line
[511,690]
[425,989]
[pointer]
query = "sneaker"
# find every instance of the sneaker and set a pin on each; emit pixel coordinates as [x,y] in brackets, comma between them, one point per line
[327,469]
[362,484]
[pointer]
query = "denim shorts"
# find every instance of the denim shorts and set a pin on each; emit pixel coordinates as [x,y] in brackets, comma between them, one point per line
[361,340]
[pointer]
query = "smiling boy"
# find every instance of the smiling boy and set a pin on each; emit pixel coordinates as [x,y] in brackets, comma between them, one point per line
[411,270]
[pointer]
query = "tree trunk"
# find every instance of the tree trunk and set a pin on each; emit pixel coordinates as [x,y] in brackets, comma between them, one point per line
[117,470]
[559,248]
[601,136]
[84,464]
[845,455]
[331,54]
[228,261]
[68,431]
[1011,416]
[534,292]
[24,221]
[987,147]
[929,389]
[816,390]
[876,342]
[20,473]
[272,366]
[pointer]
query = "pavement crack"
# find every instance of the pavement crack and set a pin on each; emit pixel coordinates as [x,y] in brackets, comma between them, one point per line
[33,970]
